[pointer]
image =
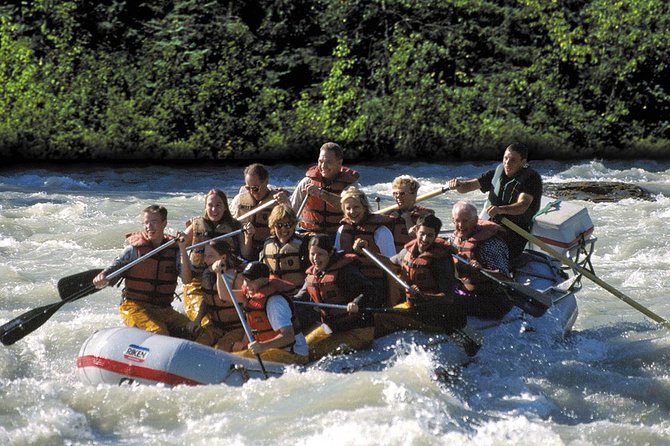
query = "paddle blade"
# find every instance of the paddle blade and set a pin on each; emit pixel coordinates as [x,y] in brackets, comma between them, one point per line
[20,327]
[529,299]
[80,284]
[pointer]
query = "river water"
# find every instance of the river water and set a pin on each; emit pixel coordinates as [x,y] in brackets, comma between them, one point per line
[607,383]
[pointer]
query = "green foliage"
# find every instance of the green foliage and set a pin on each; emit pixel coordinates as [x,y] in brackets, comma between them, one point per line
[437,79]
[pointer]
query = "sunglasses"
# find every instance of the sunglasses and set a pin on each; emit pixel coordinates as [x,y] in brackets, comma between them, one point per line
[252,188]
[283,225]
[399,194]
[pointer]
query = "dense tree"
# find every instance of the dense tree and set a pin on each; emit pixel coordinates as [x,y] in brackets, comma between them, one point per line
[273,79]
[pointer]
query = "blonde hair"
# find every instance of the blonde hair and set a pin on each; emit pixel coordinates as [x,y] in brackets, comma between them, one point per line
[279,213]
[356,194]
[406,180]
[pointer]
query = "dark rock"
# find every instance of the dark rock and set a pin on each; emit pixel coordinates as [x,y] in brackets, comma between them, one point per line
[596,191]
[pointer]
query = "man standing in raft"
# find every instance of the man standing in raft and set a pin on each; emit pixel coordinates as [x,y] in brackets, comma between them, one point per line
[515,191]
[323,184]
[150,285]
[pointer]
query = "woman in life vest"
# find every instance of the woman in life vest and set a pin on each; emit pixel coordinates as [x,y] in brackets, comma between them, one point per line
[223,328]
[150,285]
[405,189]
[270,315]
[215,220]
[335,278]
[256,192]
[360,223]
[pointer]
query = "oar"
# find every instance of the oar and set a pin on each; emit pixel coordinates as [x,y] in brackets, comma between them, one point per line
[420,198]
[243,320]
[468,342]
[462,338]
[258,209]
[533,302]
[302,206]
[218,237]
[30,321]
[531,238]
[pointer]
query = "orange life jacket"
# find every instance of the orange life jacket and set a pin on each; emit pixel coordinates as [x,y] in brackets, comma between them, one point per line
[153,280]
[364,230]
[205,229]
[466,248]
[322,288]
[318,215]
[255,309]
[400,230]
[221,313]
[417,270]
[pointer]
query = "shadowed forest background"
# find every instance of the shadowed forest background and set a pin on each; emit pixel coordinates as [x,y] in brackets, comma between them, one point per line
[388,79]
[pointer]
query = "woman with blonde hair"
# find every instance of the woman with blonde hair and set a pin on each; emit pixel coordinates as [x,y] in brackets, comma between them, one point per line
[405,189]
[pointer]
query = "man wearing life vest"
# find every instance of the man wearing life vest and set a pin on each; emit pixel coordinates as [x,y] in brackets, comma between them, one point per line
[271,317]
[253,194]
[478,241]
[427,267]
[334,278]
[150,285]
[515,191]
[321,187]
[405,189]
[360,223]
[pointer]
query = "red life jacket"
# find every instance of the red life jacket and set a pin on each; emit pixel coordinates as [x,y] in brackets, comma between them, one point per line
[153,280]
[364,230]
[320,216]
[221,313]
[400,230]
[322,288]
[255,309]
[466,248]
[417,270]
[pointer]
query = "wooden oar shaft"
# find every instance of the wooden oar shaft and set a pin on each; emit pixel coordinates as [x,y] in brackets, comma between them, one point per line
[386,269]
[258,209]
[302,206]
[220,237]
[243,320]
[419,199]
[644,310]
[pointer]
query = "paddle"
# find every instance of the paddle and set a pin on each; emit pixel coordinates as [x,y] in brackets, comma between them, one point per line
[30,321]
[258,209]
[243,320]
[527,298]
[302,206]
[218,237]
[466,340]
[531,238]
[420,198]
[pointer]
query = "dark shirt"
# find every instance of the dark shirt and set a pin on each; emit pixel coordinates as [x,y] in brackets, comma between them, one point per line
[442,271]
[526,181]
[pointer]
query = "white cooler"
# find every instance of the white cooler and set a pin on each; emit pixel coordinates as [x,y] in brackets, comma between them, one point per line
[562,226]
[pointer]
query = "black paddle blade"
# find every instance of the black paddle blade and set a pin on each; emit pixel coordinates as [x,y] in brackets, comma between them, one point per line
[80,284]
[529,299]
[20,327]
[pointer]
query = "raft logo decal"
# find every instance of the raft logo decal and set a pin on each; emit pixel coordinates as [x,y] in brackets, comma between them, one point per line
[136,353]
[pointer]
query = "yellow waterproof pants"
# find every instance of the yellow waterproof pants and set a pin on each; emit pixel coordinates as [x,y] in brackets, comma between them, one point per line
[322,343]
[276,355]
[160,320]
[192,299]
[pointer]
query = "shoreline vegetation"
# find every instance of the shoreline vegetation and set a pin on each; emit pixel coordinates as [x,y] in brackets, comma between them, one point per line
[189,81]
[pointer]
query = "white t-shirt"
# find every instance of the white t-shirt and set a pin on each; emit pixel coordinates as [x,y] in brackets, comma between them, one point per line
[383,239]
[279,315]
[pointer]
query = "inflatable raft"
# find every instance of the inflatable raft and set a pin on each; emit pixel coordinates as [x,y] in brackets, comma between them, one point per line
[124,355]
